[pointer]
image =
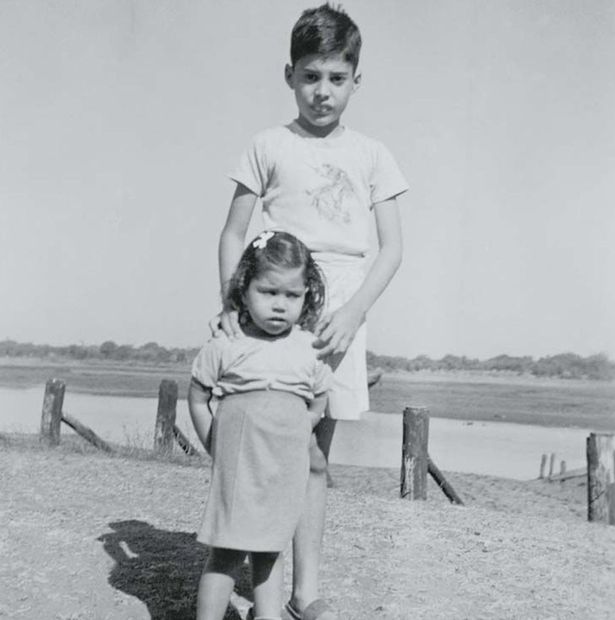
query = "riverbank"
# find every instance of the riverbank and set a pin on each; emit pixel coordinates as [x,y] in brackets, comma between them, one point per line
[93,537]
[479,397]
[495,448]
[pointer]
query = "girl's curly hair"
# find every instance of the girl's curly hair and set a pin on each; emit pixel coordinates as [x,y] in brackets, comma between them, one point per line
[282,250]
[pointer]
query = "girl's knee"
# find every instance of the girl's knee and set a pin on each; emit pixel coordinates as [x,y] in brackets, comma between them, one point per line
[224,561]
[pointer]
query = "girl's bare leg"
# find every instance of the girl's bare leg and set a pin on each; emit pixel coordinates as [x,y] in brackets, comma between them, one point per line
[268,583]
[217,582]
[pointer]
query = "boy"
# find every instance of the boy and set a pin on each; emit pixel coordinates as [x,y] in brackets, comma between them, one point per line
[321,182]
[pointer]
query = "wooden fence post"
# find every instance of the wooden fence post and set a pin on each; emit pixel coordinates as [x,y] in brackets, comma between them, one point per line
[415,457]
[601,478]
[551,464]
[51,417]
[165,418]
[543,464]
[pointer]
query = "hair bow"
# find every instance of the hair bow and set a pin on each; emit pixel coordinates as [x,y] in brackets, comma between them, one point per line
[261,241]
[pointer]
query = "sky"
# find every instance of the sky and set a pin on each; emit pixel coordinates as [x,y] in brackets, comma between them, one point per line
[120,119]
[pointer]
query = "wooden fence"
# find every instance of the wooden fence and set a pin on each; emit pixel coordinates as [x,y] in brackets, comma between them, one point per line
[416,462]
[599,475]
[166,431]
[415,466]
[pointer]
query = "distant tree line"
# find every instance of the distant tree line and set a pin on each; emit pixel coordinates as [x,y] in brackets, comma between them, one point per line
[564,365]
[150,353]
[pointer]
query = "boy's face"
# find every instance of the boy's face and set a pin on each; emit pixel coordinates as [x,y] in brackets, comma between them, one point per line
[323,86]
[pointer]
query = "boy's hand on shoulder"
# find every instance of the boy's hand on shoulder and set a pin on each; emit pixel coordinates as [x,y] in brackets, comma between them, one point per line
[226,322]
[335,332]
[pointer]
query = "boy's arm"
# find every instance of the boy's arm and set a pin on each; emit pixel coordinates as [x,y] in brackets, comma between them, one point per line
[198,405]
[336,332]
[230,248]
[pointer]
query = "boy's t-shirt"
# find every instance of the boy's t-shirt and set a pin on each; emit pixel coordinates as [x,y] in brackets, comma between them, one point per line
[320,189]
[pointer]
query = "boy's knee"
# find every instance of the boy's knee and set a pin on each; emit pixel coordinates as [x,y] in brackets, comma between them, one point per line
[318,461]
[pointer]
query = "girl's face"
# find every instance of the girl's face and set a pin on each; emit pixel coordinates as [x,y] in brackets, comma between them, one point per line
[275,299]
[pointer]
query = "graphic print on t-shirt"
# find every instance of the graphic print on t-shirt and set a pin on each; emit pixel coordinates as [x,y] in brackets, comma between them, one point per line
[329,198]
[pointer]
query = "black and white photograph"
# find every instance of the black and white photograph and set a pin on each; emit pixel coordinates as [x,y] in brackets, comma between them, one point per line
[307,310]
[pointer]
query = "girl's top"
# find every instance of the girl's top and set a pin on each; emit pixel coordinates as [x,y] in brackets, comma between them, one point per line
[320,189]
[288,364]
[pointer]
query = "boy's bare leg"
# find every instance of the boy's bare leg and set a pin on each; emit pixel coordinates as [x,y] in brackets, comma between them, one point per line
[308,537]
[268,582]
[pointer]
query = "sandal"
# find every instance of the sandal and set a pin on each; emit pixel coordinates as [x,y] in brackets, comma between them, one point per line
[316,610]
[250,615]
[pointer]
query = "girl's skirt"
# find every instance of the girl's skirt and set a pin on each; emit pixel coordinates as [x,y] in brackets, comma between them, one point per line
[260,470]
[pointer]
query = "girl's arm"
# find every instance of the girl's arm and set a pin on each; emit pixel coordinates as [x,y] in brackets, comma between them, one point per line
[230,248]
[336,332]
[198,405]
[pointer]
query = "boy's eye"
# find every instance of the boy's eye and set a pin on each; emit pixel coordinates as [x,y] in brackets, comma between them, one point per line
[338,79]
[310,77]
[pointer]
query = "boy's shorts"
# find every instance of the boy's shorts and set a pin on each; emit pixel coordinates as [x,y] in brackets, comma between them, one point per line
[348,395]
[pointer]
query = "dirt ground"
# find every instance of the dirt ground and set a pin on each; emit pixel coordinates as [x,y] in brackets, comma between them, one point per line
[87,536]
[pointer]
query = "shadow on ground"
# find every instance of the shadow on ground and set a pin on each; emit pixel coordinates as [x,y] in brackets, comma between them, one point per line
[161,568]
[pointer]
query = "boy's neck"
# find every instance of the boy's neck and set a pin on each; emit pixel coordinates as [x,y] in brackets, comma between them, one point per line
[329,131]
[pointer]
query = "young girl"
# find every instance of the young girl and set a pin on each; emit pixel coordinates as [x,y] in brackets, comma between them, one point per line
[272,392]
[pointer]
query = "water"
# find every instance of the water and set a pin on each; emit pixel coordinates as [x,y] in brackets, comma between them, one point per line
[493,448]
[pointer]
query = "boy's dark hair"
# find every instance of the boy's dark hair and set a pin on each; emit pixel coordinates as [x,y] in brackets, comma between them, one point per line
[325,31]
[282,250]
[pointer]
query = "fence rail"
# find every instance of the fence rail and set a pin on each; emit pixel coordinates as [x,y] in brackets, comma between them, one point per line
[416,462]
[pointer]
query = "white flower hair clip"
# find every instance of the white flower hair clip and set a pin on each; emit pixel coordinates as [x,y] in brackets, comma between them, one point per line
[261,241]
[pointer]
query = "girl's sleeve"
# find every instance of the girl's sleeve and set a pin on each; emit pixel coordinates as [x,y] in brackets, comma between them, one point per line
[206,367]
[323,375]
[387,180]
[252,170]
